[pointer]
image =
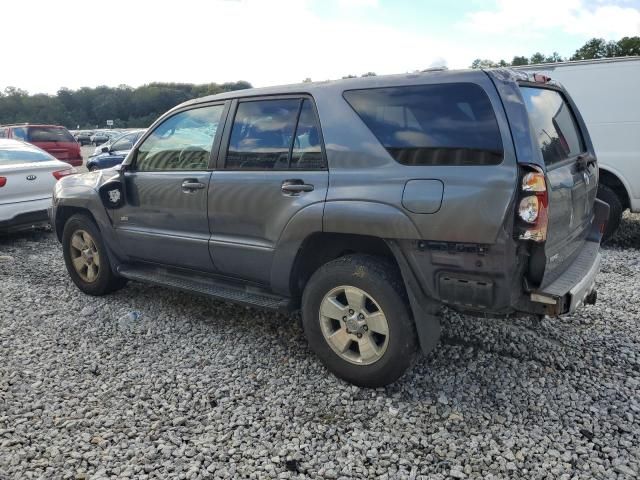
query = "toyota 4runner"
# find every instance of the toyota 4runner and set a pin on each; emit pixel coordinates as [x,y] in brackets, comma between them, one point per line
[366,203]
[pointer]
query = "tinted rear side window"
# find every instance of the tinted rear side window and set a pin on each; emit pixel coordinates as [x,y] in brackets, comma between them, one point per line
[49,134]
[447,124]
[262,134]
[553,123]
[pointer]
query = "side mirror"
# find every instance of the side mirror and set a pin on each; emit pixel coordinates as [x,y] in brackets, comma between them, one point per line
[104,149]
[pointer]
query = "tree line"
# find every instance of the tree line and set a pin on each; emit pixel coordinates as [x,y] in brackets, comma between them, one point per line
[92,107]
[594,48]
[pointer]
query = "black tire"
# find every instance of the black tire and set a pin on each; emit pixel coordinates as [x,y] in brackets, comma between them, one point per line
[93,168]
[606,194]
[105,280]
[380,279]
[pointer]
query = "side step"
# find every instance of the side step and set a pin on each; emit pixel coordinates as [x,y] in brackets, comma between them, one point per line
[204,285]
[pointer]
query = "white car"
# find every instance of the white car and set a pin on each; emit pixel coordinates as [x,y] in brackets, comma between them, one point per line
[27,177]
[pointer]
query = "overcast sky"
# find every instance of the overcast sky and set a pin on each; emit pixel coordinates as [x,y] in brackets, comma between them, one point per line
[66,43]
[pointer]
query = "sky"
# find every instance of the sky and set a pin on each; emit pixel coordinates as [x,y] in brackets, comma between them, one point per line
[49,44]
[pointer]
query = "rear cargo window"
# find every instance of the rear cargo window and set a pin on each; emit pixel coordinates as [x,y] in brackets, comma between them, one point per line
[49,134]
[14,157]
[553,123]
[446,124]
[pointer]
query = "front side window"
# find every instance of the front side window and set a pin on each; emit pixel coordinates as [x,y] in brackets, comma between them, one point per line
[445,124]
[553,123]
[181,142]
[262,133]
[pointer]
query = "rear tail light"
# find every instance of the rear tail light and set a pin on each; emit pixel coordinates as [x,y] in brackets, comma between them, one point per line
[63,173]
[3,181]
[534,205]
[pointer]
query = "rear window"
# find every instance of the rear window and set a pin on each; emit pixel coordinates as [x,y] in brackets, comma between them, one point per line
[553,123]
[446,124]
[49,134]
[13,157]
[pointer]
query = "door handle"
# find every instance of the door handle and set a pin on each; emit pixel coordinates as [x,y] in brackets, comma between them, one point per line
[295,187]
[190,185]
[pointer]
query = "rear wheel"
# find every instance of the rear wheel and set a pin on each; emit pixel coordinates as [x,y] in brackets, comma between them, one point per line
[86,257]
[357,320]
[606,194]
[93,168]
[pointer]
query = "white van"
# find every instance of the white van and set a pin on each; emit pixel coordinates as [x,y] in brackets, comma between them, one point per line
[607,92]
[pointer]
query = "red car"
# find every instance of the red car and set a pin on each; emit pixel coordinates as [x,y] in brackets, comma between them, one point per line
[53,139]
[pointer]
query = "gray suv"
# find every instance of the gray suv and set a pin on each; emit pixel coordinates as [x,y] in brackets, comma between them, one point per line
[366,203]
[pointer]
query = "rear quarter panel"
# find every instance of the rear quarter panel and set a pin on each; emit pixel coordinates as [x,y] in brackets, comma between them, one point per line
[476,199]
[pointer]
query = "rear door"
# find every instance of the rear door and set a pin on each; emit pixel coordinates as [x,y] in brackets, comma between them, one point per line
[572,173]
[164,219]
[271,166]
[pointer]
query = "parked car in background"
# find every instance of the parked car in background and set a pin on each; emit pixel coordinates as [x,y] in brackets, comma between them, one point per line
[53,139]
[27,177]
[367,203]
[115,152]
[103,136]
[83,137]
[606,91]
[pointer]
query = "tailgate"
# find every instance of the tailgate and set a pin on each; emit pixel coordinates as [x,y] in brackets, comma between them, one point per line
[571,176]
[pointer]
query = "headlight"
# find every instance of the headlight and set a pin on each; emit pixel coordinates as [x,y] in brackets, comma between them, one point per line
[529,209]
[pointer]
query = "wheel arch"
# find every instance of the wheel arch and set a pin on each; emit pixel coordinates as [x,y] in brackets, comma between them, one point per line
[65,212]
[615,182]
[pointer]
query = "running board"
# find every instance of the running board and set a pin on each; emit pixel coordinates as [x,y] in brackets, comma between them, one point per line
[203,285]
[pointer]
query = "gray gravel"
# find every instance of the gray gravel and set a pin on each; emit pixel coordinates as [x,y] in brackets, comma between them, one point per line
[151,383]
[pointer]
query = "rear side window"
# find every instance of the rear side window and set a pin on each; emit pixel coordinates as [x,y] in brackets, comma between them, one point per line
[446,124]
[275,135]
[553,123]
[20,133]
[48,134]
[262,133]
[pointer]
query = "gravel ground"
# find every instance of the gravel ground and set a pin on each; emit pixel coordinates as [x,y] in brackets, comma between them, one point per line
[151,383]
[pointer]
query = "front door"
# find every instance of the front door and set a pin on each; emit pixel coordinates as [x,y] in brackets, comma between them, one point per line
[271,167]
[164,219]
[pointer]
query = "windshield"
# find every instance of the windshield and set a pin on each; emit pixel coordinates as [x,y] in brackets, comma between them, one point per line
[49,134]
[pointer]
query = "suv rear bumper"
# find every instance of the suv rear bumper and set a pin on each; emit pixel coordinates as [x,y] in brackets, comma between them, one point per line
[572,289]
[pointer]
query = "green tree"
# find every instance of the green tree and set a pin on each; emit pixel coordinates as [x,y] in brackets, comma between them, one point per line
[628,46]
[519,61]
[483,63]
[92,107]
[554,58]
[537,58]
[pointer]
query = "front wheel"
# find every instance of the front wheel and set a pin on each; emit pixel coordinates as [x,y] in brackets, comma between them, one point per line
[86,257]
[357,320]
